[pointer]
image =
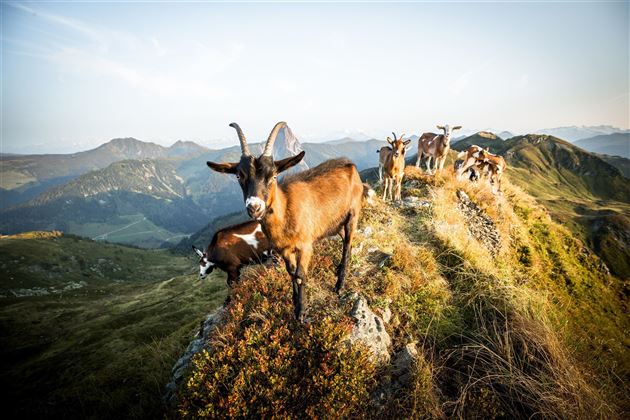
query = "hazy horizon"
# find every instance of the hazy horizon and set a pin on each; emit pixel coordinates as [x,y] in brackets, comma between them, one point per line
[75,75]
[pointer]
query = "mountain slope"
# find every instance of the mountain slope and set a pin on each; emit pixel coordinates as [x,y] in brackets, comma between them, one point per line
[618,162]
[107,203]
[578,187]
[616,144]
[97,327]
[25,176]
[530,325]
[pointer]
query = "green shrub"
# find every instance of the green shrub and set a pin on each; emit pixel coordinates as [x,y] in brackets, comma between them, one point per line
[263,364]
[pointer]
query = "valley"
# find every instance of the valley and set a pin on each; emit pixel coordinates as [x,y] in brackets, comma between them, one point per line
[103,347]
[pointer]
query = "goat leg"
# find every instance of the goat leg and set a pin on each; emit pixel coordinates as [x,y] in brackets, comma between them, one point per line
[349,228]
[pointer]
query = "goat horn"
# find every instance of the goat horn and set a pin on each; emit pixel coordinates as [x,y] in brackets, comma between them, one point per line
[242,139]
[394,136]
[403,136]
[272,138]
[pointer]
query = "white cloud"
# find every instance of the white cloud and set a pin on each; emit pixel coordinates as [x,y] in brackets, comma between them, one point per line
[159,50]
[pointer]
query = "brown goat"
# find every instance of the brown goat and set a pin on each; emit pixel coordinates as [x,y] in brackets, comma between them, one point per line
[497,166]
[435,146]
[394,167]
[470,162]
[301,208]
[383,154]
[232,248]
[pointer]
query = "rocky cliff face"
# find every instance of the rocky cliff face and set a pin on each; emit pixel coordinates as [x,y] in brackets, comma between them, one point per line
[288,145]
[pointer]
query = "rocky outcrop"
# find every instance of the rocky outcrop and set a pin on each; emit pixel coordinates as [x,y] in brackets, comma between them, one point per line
[195,346]
[287,145]
[369,329]
[412,202]
[402,364]
[479,224]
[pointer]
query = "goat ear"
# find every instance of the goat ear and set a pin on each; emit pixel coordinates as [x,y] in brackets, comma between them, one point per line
[389,140]
[457,127]
[197,251]
[226,168]
[440,127]
[284,164]
[406,142]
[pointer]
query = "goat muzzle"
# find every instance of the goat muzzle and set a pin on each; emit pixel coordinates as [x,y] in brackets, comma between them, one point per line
[255,207]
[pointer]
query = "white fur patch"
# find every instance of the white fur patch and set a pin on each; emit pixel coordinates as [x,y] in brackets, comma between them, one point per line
[255,200]
[204,268]
[250,238]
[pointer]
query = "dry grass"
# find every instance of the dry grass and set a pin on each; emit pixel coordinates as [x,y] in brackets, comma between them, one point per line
[496,335]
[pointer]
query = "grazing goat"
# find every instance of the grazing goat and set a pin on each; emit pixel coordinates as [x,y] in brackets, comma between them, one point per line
[393,166]
[496,166]
[232,248]
[435,146]
[300,209]
[470,162]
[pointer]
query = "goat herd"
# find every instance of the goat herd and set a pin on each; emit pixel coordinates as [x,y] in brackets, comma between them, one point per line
[475,160]
[290,215]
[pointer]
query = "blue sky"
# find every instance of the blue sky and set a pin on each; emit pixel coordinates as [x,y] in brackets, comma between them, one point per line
[75,75]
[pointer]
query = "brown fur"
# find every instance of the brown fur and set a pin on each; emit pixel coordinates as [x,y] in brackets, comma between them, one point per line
[230,253]
[435,146]
[301,209]
[383,154]
[497,167]
[471,160]
[394,168]
[309,206]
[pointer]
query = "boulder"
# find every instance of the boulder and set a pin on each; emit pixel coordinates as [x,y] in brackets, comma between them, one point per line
[369,330]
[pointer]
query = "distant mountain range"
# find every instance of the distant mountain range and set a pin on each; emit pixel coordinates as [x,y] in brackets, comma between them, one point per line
[146,194]
[574,133]
[615,144]
[22,177]
[140,193]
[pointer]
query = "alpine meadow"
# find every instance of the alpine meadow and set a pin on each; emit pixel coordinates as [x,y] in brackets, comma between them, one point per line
[375,210]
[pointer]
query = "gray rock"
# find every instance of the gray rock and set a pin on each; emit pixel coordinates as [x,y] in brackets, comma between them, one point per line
[404,359]
[412,202]
[195,346]
[369,329]
[479,224]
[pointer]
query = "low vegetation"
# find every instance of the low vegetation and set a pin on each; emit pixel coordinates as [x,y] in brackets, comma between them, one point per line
[104,349]
[538,329]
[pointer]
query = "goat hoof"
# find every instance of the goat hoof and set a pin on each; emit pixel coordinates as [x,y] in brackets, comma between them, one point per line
[338,288]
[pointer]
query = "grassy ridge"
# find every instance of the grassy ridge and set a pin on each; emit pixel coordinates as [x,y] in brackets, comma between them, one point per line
[104,350]
[538,329]
[580,189]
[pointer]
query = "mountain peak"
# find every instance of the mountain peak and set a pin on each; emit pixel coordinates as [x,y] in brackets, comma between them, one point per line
[288,145]
[185,148]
